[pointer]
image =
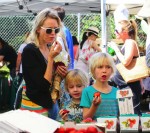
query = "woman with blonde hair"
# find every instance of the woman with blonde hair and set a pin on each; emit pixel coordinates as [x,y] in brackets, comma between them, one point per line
[127,31]
[38,60]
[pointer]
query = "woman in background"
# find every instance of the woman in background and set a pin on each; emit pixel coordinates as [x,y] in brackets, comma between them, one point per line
[88,47]
[127,31]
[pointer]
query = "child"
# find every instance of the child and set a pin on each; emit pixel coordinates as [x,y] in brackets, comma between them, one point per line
[101,67]
[75,81]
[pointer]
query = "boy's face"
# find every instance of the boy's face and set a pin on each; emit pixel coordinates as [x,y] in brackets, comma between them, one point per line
[75,90]
[103,73]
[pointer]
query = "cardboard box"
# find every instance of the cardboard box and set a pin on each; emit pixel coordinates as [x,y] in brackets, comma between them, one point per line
[125,101]
[129,122]
[111,122]
[145,122]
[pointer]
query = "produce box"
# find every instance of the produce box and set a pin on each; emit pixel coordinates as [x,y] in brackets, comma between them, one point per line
[129,122]
[125,101]
[111,122]
[145,122]
[71,127]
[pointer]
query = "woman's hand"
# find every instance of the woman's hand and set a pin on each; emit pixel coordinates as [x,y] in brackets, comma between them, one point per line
[62,71]
[55,49]
[113,46]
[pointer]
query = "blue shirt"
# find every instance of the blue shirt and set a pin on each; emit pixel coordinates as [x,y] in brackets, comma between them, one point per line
[70,46]
[108,105]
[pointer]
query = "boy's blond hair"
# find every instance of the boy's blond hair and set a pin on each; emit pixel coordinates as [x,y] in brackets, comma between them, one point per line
[100,59]
[76,76]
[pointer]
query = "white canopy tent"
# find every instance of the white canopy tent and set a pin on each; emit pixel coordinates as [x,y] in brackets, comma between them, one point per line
[11,7]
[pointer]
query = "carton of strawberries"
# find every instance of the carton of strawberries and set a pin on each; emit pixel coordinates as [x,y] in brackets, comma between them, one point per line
[129,122]
[111,122]
[87,126]
[145,122]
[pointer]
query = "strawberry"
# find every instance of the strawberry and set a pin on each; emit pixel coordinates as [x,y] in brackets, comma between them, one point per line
[131,125]
[87,120]
[60,130]
[132,121]
[108,126]
[56,64]
[111,123]
[81,131]
[65,111]
[92,129]
[97,94]
[70,130]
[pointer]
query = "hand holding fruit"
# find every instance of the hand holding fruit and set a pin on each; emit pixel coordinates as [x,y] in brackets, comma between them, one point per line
[97,94]
[97,98]
[55,49]
[64,114]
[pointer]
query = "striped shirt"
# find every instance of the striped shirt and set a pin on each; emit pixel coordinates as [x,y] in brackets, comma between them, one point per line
[108,105]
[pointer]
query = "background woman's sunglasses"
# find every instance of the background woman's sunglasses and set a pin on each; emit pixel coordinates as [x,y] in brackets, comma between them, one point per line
[49,30]
[116,31]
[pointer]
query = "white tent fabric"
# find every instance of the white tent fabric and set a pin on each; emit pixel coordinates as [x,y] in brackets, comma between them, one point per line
[11,7]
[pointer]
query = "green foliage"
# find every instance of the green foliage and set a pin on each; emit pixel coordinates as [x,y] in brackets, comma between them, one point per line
[90,20]
[13,28]
[86,20]
[111,28]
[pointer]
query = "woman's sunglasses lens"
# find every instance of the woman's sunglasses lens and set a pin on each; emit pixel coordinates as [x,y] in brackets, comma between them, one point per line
[48,31]
[57,30]
[117,31]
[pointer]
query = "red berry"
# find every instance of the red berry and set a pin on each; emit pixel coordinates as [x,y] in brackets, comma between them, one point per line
[97,94]
[111,123]
[56,64]
[92,129]
[60,130]
[81,131]
[88,120]
[70,130]
[131,125]
[132,121]
[108,126]
[65,111]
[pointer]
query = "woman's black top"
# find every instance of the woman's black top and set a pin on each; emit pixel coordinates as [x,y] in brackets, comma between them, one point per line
[34,67]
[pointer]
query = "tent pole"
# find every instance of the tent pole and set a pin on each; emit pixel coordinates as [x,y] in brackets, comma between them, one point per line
[103,25]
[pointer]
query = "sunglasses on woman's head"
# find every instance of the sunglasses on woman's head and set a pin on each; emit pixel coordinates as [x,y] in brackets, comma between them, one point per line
[116,31]
[49,30]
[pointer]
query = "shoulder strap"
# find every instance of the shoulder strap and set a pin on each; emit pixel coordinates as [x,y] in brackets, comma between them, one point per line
[137,48]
